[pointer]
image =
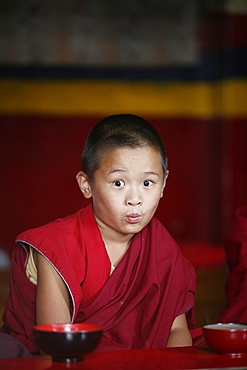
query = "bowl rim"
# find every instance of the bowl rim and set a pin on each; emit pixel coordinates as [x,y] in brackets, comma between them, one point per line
[231,326]
[68,328]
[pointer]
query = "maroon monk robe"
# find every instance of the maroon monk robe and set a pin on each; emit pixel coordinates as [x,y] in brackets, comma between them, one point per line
[236,255]
[148,290]
[137,304]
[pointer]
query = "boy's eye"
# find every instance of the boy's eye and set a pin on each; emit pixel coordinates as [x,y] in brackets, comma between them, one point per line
[118,183]
[147,183]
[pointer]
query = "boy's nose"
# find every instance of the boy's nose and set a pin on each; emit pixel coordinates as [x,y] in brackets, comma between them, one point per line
[134,202]
[134,199]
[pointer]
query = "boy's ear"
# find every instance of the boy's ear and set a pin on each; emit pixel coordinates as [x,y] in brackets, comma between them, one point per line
[84,184]
[164,184]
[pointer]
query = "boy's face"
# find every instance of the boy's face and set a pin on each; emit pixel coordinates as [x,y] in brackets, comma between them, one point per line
[127,189]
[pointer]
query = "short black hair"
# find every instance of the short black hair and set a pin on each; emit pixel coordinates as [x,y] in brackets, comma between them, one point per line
[119,131]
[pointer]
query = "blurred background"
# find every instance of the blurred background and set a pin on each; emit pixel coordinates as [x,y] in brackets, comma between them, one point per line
[180,64]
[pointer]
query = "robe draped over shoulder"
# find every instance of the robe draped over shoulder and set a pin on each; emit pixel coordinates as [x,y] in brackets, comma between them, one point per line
[236,255]
[136,305]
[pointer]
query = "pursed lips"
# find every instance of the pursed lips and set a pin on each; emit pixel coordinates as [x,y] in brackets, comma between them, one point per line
[133,217]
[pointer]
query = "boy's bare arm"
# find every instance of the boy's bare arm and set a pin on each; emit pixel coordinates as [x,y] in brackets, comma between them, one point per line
[179,335]
[52,300]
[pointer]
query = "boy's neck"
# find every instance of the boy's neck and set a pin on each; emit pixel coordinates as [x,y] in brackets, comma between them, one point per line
[116,244]
[116,252]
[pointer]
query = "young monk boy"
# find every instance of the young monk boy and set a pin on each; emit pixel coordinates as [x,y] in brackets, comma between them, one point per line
[111,263]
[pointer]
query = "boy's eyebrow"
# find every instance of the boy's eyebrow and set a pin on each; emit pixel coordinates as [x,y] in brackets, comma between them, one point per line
[152,173]
[117,170]
[146,172]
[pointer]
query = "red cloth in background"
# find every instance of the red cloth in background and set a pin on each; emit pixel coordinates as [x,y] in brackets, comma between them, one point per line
[203,255]
[136,305]
[236,255]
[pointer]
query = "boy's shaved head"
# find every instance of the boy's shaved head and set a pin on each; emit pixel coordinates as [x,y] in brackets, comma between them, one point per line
[119,131]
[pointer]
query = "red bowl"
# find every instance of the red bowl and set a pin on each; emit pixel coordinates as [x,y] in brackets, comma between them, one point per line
[228,339]
[67,342]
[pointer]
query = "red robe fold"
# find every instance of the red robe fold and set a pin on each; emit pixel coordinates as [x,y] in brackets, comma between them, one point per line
[136,305]
[236,255]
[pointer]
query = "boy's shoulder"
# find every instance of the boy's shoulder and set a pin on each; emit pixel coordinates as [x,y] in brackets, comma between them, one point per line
[158,226]
[160,234]
[61,227]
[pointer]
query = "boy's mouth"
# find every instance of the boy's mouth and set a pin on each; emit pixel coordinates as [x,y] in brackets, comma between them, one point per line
[133,217]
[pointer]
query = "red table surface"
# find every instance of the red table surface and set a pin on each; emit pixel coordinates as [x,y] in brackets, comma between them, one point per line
[170,358]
